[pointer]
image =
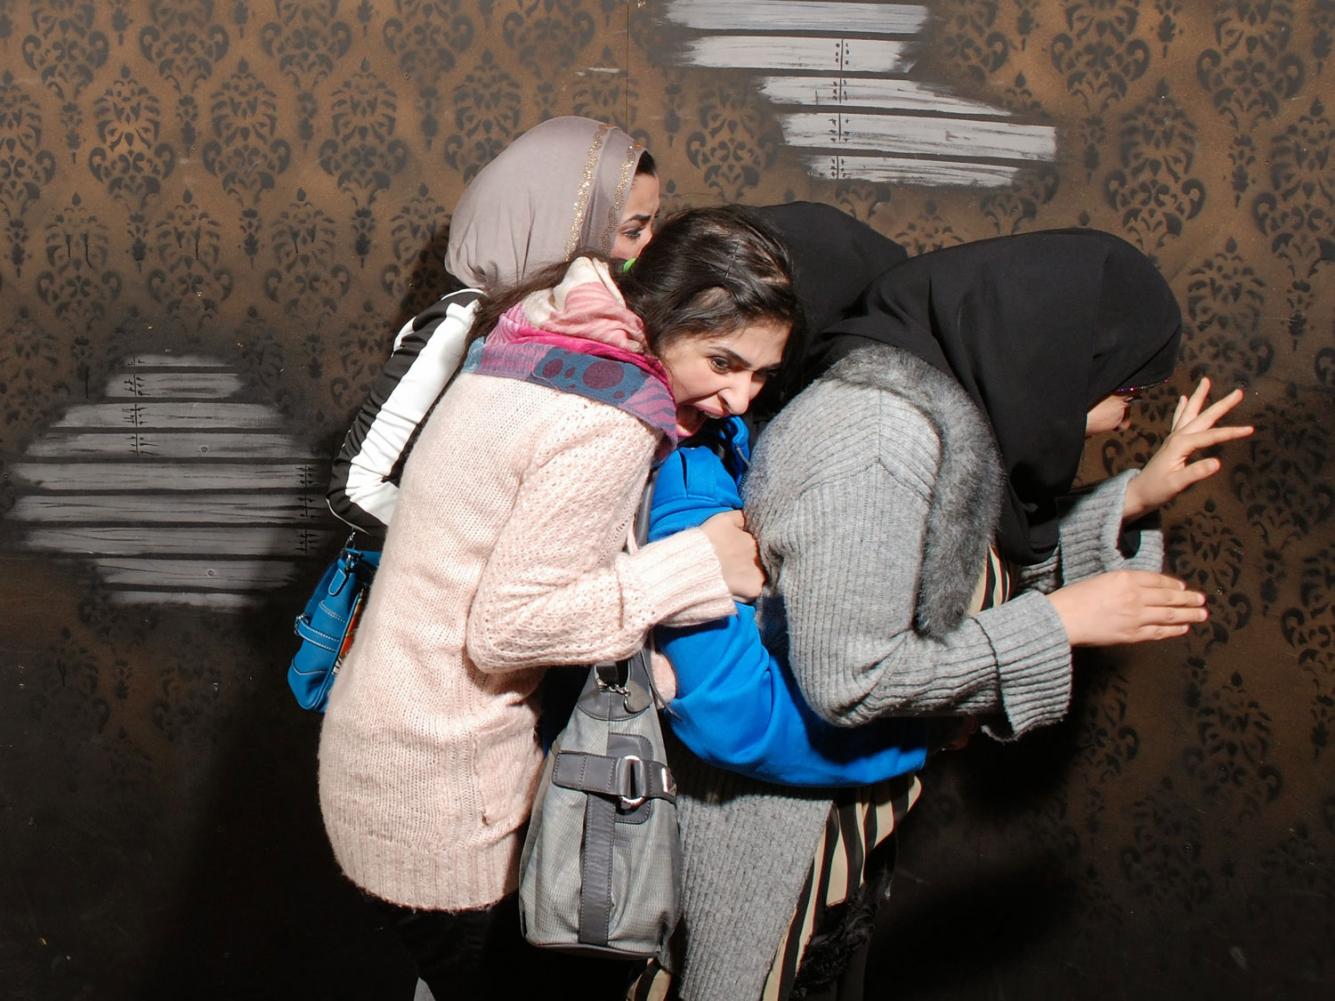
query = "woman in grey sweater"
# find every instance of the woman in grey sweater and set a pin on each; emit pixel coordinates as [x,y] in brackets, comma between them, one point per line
[922,469]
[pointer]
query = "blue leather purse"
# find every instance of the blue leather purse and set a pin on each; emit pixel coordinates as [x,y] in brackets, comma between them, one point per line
[327,624]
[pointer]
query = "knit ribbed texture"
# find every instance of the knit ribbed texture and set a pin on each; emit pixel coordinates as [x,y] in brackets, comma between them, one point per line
[840,495]
[746,849]
[854,535]
[504,557]
[1091,530]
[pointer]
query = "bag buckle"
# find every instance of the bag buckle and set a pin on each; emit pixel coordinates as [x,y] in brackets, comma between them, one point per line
[631,780]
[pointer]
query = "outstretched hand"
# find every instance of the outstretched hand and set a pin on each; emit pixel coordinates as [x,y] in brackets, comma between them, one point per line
[1127,606]
[1171,470]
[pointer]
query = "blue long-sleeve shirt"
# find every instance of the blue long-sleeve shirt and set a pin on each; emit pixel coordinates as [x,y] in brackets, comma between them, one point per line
[737,704]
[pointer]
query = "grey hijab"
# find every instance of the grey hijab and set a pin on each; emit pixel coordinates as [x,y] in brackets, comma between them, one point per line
[558,188]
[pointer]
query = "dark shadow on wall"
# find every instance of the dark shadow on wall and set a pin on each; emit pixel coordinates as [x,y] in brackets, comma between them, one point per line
[260,909]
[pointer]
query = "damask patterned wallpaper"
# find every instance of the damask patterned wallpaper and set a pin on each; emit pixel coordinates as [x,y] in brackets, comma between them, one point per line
[215,213]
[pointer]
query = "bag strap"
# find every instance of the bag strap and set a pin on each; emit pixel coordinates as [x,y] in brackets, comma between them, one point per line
[616,676]
[627,777]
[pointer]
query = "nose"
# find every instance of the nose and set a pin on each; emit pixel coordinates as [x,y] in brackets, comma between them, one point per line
[739,392]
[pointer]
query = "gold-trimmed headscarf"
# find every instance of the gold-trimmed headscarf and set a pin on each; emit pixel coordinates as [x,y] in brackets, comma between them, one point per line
[558,188]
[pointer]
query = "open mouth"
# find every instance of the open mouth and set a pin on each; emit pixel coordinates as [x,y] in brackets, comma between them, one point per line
[689,420]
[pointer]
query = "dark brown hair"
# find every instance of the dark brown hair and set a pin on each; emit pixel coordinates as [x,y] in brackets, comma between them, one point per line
[707,271]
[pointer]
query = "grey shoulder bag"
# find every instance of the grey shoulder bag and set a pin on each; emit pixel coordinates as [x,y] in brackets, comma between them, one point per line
[601,868]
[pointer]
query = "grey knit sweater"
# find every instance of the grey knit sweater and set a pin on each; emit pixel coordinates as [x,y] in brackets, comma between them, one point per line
[874,496]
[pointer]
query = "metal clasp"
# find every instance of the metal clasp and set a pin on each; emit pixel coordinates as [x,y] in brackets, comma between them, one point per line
[632,781]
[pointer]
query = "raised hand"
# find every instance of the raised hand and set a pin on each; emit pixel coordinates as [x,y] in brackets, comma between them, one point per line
[738,554]
[1127,606]
[1171,470]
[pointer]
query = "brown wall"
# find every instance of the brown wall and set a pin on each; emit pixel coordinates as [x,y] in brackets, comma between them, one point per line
[260,191]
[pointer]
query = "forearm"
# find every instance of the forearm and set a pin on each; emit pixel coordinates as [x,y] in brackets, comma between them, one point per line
[1095,540]
[852,547]
[363,491]
[557,587]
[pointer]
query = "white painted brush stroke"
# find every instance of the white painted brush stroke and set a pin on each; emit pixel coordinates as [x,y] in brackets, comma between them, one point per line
[85,477]
[911,134]
[202,415]
[219,601]
[838,76]
[906,170]
[798,15]
[150,385]
[872,92]
[177,491]
[197,575]
[188,540]
[791,52]
[239,508]
[260,444]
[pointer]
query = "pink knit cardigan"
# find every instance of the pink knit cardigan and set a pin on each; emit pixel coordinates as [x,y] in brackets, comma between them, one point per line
[505,557]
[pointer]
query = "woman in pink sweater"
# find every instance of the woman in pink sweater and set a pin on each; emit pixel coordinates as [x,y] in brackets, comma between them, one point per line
[507,556]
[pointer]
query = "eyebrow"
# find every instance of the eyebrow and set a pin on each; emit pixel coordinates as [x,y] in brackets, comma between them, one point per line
[737,361]
[641,217]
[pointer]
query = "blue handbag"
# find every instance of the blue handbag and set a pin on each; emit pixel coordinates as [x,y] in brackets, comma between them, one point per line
[328,623]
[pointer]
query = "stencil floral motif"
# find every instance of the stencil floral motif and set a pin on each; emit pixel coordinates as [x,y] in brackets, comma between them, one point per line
[363,346]
[606,93]
[1010,209]
[1251,74]
[1231,759]
[487,108]
[246,155]
[306,41]
[1295,215]
[861,198]
[261,356]
[1164,861]
[418,233]
[308,282]
[427,37]
[67,682]
[184,43]
[1108,739]
[30,371]
[190,280]
[132,160]
[364,154]
[1225,297]
[78,284]
[1310,630]
[547,36]
[66,51]
[1283,483]
[929,231]
[1205,551]
[969,38]
[734,143]
[1168,27]
[1099,58]
[1321,13]
[25,167]
[1155,193]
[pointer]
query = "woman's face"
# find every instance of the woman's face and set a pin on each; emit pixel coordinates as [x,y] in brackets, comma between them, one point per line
[636,228]
[1112,413]
[718,375]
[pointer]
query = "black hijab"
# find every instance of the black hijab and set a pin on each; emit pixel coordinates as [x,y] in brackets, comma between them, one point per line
[1036,328]
[834,258]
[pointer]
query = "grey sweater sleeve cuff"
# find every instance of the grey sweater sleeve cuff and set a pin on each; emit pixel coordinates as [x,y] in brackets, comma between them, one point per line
[1092,536]
[1033,659]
